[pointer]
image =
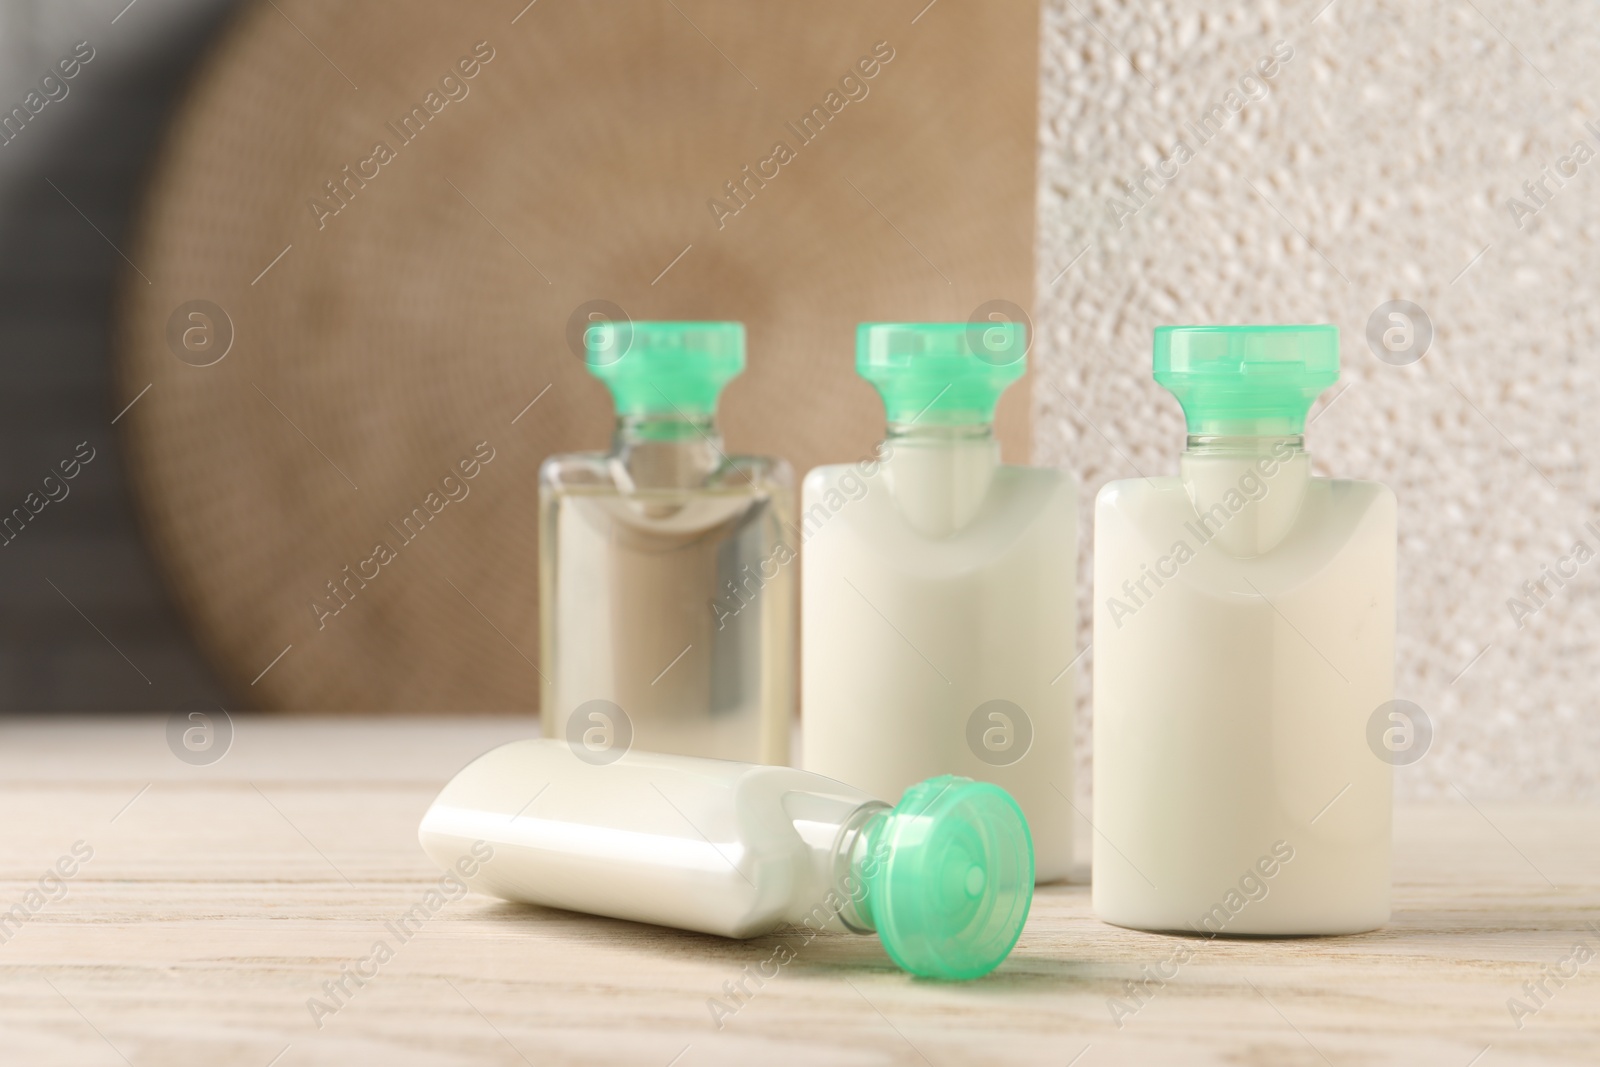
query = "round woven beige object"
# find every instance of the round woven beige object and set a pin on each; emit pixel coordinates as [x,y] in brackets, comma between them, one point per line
[374,222]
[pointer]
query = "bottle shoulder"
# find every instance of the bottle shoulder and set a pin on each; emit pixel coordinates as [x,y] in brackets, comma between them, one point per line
[831,474]
[771,470]
[820,479]
[603,472]
[1024,511]
[1129,490]
[1134,492]
[570,468]
[1336,519]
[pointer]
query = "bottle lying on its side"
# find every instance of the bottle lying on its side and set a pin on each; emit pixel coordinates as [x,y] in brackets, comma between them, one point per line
[945,878]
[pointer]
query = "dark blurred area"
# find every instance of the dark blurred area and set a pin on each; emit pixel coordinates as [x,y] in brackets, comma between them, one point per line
[85,621]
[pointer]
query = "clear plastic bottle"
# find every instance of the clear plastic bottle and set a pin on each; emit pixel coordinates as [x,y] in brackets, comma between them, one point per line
[945,878]
[667,588]
[1243,639]
[940,590]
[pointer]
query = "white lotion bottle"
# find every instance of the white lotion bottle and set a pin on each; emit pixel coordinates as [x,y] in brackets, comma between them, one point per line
[945,878]
[1243,641]
[939,590]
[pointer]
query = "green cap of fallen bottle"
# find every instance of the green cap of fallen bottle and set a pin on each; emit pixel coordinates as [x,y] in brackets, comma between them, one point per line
[948,877]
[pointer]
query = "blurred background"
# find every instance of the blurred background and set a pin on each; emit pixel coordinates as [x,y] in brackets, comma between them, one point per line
[1399,152]
[70,184]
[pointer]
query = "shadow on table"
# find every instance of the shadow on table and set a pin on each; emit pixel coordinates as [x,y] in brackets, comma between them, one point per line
[791,950]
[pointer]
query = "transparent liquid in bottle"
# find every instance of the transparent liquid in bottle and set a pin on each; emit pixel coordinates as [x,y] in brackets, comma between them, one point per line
[667,591]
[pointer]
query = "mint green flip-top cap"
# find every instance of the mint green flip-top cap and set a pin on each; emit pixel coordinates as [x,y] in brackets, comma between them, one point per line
[1246,380]
[941,372]
[953,880]
[664,368]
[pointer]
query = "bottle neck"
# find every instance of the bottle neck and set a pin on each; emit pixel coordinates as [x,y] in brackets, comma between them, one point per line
[918,431]
[1246,490]
[657,428]
[938,474]
[1244,445]
[654,451]
[853,865]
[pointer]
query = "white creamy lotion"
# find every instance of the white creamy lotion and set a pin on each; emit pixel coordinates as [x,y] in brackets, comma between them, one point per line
[739,849]
[1244,637]
[939,591]
[712,845]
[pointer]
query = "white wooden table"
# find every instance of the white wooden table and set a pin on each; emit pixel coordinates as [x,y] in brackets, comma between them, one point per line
[219,899]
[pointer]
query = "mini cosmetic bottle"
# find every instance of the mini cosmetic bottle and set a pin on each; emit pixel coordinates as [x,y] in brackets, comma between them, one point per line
[667,589]
[944,878]
[1243,643]
[939,590]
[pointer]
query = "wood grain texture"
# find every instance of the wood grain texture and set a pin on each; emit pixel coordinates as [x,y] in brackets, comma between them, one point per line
[220,898]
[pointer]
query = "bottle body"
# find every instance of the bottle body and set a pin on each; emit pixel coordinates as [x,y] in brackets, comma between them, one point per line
[726,848]
[1243,637]
[667,590]
[939,610]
